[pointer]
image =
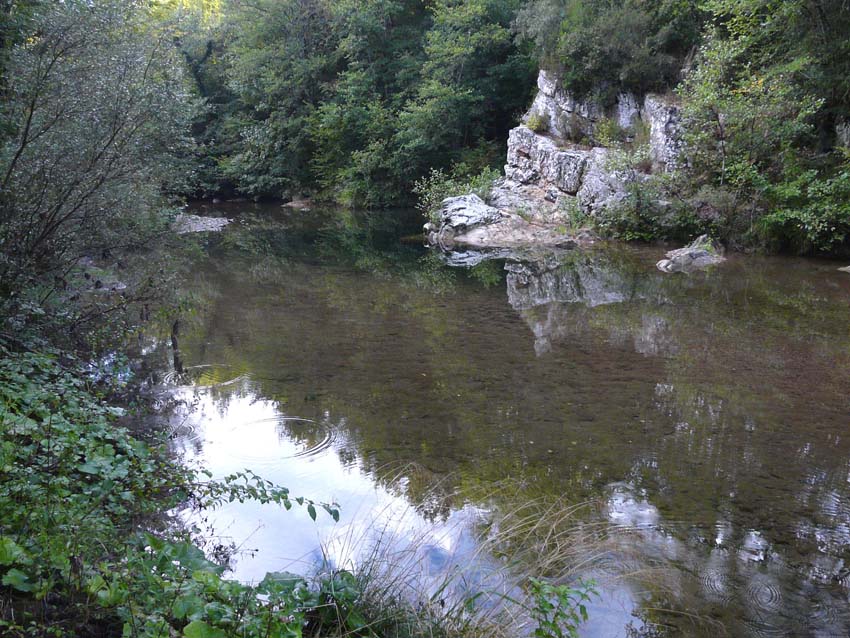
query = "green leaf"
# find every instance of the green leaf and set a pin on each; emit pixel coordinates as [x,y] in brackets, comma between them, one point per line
[186,606]
[16,579]
[200,629]
[11,552]
[311,510]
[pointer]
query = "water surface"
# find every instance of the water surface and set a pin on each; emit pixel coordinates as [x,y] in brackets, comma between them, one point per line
[709,413]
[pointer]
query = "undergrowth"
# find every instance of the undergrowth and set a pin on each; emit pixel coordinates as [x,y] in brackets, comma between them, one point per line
[84,548]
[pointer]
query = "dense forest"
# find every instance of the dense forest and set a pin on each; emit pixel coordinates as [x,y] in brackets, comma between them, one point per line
[356,101]
[114,113]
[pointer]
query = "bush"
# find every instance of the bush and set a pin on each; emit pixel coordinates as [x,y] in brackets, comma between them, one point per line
[538,123]
[438,185]
[814,214]
[82,542]
[608,132]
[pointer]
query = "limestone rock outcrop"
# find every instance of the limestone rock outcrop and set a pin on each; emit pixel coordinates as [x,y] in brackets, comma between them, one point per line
[698,255]
[549,177]
[603,186]
[570,118]
[533,158]
[664,119]
[549,167]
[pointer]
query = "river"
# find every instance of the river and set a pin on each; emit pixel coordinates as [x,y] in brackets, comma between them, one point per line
[701,422]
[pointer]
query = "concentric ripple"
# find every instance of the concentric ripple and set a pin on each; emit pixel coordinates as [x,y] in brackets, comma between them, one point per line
[316,437]
[203,377]
[764,592]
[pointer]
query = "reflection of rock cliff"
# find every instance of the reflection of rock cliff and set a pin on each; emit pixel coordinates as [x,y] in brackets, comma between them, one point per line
[581,279]
[555,296]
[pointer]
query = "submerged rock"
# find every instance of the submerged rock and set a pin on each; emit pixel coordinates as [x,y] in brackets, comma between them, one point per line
[699,254]
[299,203]
[186,223]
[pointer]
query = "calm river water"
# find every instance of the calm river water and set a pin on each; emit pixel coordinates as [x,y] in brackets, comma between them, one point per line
[707,416]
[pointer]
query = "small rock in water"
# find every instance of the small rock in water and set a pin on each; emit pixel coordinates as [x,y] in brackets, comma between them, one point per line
[186,223]
[699,254]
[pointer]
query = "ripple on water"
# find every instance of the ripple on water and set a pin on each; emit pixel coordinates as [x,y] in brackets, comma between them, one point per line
[203,377]
[310,438]
[717,585]
[764,629]
[829,614]
[764,593]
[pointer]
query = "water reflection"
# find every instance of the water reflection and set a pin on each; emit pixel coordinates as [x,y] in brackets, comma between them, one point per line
[708,411]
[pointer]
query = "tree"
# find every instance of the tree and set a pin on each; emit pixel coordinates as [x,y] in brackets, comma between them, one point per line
[608,47]
[97,111]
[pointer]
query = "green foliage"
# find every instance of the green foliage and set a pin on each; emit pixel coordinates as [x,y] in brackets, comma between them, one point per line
[750,131]
[814,212]
[355,100]
[607,132]
[93,142]
[624,44]
[438,185]
[537,123]
[80,501]
[279,58]
[559,610]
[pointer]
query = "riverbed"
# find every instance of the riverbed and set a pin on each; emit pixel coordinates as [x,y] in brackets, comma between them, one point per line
[703,419]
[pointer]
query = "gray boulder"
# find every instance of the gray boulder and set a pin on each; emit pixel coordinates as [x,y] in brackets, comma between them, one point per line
[458,215]
[466,211]
[699,254]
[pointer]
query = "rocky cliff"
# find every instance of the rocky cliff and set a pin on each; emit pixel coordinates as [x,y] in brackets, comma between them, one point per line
[559,148]
[558,164]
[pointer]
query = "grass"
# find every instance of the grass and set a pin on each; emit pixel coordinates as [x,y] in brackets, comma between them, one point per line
[414,582]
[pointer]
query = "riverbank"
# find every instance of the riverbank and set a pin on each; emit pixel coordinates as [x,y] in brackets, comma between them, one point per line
[86,546]
[91,546]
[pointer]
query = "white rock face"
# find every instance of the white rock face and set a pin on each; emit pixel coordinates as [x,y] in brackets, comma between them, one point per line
[665,131]
[602,187]
[628,111]
[565,117]
[534,158]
